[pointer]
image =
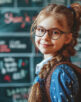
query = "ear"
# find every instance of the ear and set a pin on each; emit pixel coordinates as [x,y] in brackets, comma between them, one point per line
[68,38]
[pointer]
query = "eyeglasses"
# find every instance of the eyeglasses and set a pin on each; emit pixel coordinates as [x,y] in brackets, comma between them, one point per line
[53,33]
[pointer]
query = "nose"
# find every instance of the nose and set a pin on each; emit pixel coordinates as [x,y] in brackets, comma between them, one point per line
[46,36]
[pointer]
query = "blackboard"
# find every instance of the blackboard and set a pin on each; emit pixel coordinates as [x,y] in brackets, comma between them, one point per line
[21,3]
[76,1]
[15,44]
[14,70]
[77,58]
[14,94]
[63,2]
[6,3]
[16,49]
[15,20]
[32,3]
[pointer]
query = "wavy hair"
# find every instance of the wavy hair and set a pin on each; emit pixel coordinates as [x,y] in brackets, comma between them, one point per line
[73,20]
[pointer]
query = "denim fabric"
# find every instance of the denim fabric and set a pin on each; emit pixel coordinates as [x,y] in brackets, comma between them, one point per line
[64,84]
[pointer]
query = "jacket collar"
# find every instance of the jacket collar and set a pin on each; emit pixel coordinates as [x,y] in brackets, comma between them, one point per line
[41,64]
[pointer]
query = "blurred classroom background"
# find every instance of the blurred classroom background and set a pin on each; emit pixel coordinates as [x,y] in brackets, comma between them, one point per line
[18,57]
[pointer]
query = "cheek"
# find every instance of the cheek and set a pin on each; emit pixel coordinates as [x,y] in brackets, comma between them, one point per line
[37,41]
[58,44]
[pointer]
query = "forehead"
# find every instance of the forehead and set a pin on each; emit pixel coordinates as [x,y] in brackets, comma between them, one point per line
[52,22]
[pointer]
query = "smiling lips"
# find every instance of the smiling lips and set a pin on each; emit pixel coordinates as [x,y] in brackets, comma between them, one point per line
[46,45]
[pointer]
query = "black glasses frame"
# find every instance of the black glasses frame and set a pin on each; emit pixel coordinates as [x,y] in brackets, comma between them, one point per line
[49,30]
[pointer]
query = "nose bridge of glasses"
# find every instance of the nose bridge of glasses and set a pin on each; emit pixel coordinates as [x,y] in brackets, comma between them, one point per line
[47,32]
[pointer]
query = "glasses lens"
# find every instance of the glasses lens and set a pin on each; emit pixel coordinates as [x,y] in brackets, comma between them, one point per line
[55,34]
[40,31]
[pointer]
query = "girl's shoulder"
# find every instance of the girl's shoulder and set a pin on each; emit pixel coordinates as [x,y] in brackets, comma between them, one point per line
[64,82]
[64,71]
[65,68]
[64,75]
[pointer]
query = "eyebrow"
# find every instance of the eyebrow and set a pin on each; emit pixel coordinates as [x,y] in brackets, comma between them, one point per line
[47,29]
[53,28]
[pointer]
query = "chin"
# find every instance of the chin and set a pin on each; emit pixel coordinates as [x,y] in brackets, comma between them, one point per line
[45,52]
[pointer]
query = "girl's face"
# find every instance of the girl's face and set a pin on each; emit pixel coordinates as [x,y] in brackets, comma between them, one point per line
[47,45]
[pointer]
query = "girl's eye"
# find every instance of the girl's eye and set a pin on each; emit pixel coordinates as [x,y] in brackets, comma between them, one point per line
[41,30]
[56,32]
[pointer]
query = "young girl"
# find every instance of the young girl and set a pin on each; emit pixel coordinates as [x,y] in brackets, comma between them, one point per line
[56,30]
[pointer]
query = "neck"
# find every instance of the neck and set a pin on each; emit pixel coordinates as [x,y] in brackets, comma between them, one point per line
[49,55]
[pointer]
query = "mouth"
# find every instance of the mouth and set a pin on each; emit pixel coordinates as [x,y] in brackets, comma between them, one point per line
[46,45]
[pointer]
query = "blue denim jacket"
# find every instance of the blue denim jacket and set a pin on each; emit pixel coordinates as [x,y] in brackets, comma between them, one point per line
[64,84]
